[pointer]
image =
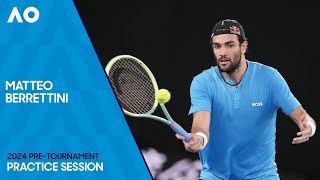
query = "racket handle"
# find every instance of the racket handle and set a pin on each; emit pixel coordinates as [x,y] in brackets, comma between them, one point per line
[178,129]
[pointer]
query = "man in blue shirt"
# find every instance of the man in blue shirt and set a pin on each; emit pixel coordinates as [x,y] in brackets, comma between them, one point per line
[234,106]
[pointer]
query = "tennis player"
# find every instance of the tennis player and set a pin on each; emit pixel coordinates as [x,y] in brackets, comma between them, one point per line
[234,106]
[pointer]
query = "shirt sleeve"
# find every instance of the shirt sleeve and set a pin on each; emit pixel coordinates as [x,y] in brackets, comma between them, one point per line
[282,96]
[200,97]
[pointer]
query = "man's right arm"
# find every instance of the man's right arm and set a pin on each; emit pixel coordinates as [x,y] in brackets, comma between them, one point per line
[199,132]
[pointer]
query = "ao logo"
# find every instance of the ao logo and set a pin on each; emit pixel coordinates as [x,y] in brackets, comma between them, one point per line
[15,14]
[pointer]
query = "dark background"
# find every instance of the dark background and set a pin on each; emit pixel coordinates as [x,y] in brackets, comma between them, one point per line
[172,38]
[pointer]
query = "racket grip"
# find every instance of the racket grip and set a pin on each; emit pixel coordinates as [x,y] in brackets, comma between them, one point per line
[179,130]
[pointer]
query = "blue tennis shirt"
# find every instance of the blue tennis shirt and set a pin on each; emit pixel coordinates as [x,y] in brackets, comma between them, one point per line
[243,121]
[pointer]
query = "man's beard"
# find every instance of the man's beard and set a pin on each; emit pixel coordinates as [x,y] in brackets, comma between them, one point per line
[233,65]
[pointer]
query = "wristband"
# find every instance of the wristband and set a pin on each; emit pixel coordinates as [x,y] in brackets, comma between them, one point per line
[313,127]
[205,139]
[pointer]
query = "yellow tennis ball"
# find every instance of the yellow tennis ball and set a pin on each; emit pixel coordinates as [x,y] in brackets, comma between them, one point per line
[163,95]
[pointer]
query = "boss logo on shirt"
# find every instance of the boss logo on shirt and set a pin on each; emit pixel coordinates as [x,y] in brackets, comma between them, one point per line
[257,104]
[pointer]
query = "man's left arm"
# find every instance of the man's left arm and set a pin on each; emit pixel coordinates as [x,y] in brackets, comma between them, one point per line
[305,123]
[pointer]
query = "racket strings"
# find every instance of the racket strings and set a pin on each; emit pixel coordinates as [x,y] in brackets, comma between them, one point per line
[133,86]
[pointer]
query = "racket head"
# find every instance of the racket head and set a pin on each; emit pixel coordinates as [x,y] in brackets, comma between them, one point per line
[134,85]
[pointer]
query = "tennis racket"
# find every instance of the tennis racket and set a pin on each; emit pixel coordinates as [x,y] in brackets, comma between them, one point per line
[136,88]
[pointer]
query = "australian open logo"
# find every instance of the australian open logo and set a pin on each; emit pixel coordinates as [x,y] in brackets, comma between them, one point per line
[29,15]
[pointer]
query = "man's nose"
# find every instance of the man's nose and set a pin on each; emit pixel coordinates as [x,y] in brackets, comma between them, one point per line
[222,51]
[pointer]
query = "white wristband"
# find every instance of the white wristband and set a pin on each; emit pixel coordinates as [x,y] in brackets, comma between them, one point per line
[313,127]
[205,139]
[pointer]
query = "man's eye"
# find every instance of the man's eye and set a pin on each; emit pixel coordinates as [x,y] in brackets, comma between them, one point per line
[216,46]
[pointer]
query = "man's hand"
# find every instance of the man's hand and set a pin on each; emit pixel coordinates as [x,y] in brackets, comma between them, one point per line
[194,145]
[305,131]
